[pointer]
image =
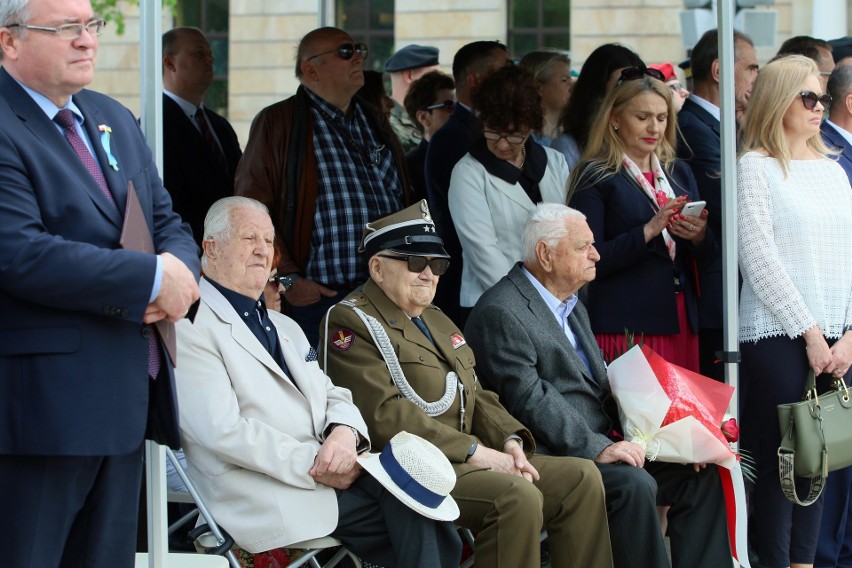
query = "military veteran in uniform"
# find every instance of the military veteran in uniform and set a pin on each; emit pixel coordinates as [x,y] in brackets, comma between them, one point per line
[409,368]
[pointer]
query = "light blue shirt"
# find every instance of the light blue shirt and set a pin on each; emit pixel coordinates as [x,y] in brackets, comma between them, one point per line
[707,105]
[560,310]
[50,109]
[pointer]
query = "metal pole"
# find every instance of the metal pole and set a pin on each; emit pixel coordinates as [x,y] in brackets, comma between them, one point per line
[151,88]
[730,271]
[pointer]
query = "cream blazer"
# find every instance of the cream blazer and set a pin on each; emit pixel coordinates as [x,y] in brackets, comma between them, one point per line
[489,215]
[249,434]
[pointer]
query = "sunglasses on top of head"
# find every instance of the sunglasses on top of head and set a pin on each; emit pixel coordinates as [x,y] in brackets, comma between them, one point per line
[417,264]
[633,73]
[346,51]
[810,99]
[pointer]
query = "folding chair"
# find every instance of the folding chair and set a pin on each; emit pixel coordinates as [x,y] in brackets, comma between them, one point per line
[211,536]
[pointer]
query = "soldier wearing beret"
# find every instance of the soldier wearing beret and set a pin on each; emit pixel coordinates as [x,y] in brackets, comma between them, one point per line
[409,368]
[406,66]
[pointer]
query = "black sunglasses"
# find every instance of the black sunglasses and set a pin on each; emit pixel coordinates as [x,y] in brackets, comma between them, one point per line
[446,105]
[275,280]
[810,99]
[346,51]
[417,264]
[633,73]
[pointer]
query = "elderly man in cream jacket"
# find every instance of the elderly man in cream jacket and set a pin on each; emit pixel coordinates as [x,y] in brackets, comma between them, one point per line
[271,442]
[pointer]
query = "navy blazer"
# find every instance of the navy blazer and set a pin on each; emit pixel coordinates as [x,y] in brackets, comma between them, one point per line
[836,141]
[191,173]
[700,146]
[634,287]
[447,146]
[73,348]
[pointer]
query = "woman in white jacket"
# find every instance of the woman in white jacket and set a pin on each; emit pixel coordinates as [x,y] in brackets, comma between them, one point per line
[496,185]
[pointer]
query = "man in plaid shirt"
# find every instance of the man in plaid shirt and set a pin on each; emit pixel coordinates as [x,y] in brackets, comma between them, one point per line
[325,163]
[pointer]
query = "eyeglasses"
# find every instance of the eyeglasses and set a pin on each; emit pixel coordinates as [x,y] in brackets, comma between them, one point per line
[417,264]
[275,281]
[676,87]
[446,105]
[68,31]
[496,137]
[810,99]
[346,51]
[633,73]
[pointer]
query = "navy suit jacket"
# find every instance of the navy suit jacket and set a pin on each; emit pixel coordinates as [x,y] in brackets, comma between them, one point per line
[634,287]
[836,141]
[447,146]
[73,348]
[700,147]
[191,174]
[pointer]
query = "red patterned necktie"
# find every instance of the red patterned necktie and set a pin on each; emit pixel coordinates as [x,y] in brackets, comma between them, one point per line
[65,119]
[212,144]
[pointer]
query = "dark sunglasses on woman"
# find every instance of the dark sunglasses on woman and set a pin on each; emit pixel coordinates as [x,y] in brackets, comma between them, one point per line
[417,264]
[346,51]
[633,73]
[810,99]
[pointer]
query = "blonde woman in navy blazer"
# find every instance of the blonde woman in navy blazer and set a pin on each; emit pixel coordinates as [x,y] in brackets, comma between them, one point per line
[645,277]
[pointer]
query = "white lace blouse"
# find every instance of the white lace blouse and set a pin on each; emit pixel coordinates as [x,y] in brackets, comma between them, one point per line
[795,247]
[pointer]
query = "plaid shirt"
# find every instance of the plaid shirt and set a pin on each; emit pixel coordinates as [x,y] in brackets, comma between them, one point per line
[358,183]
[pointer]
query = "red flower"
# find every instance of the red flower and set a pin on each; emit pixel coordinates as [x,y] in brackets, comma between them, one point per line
[731,430]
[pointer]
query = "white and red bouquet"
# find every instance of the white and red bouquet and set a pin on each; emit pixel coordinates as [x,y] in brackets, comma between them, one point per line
[679,416]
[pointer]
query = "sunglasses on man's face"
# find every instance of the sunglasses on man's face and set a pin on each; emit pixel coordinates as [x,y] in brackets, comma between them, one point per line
[633,73]
[345,51]
[810,99]
[417,264]
[446,105]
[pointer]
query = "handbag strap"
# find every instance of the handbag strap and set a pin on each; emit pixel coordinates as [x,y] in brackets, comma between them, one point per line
[787,475]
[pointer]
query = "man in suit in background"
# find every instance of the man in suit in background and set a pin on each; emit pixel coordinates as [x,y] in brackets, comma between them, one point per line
[834,546]
[471,64]
[535,348]
[84,376]
[701,148]
[200,148]
[270,441]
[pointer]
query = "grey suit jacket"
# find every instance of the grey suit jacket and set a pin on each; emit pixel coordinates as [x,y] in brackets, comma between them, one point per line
[523,355]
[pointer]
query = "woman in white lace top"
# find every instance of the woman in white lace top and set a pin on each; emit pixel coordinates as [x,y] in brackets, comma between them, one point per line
[794,219]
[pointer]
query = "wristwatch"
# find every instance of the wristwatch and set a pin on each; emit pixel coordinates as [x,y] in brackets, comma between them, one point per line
[354,432]
[289,280]
[471,451]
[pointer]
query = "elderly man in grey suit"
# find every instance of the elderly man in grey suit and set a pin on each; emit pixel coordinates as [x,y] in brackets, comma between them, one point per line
[534,347]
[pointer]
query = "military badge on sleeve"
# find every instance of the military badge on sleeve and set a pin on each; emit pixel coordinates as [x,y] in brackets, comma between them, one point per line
[342,339]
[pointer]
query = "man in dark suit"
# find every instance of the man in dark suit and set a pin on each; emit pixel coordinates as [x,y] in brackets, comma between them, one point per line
[200,149]
[700,147]
[535,348]
[471,64]
[84,376]
[834,546]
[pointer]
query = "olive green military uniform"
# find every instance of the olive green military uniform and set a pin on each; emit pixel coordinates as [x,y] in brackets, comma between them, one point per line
[508,511]
[406,131]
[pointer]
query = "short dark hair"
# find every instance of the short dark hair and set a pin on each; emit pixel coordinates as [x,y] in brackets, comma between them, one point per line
[803,45]
[472,57]
[706,51]
[840,84]
[423,91]
[590,87]
[508,100]
[171,39]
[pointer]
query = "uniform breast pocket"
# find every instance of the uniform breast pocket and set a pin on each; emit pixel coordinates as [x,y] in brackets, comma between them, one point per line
[424,371]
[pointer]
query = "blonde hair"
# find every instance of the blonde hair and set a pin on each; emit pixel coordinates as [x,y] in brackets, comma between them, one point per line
[604,154]
[777,87]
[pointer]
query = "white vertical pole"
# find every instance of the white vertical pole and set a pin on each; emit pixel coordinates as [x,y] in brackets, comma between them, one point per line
[828,19]
[151,88]
[730,272]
